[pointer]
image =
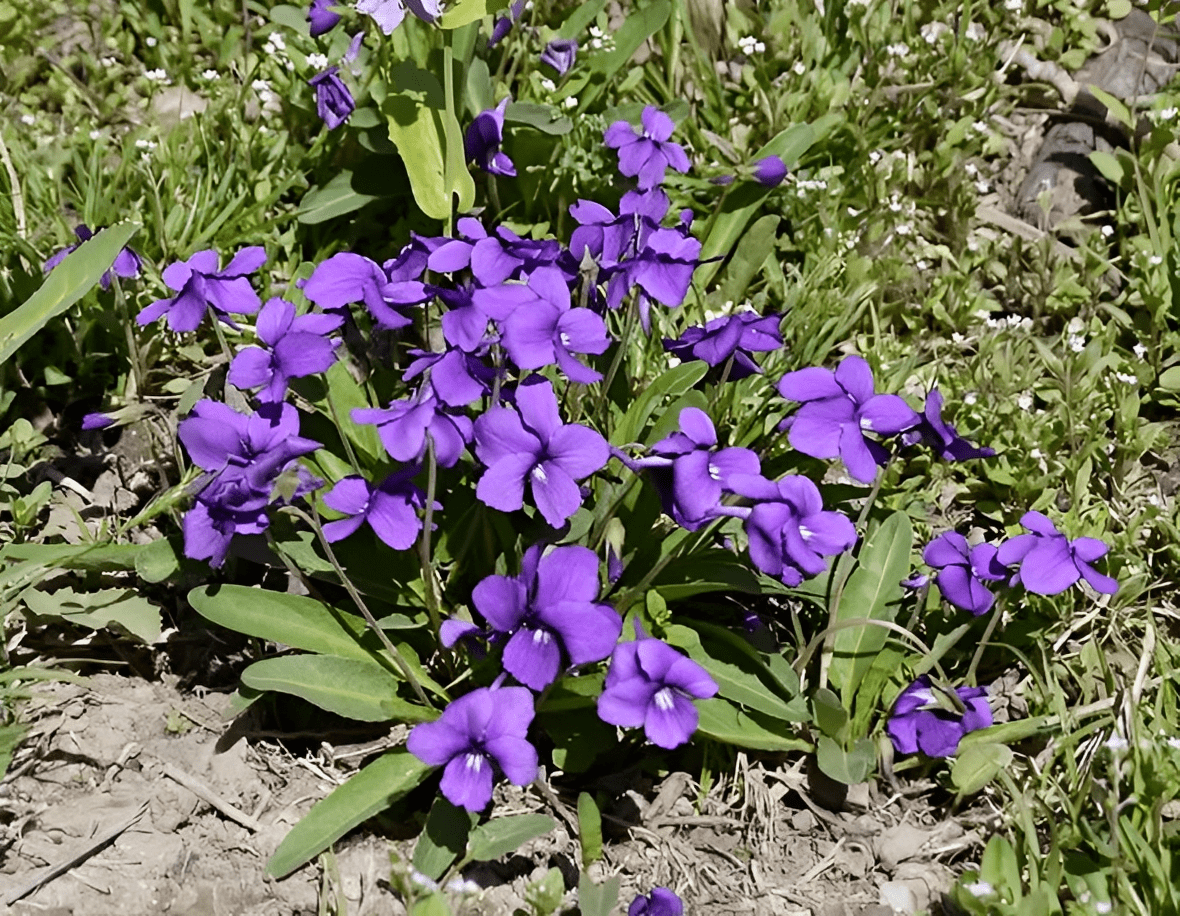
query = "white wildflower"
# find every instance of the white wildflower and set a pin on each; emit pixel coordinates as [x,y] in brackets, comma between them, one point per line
[1076,342]
[983,186]
[932,31]
[1036,453]
[1139,350]
[970,398]
[1126,378]
[571,102]
[971,169]
[262,88]
[1173,743]
[975,32]
[875,157]
[1101,906]
[901,49]
[151,42]
[1155,260]
[1024,402]
[95,134]
[1014,6]
[28,120]
[751,45]
[979,889]
[108,62]
[1107,231]
[904,229]
[317,61]
[158,76]
[548,85]
[1167,114]
[1115,742]
[980,127]
[1154,500]
[799,68]
[922,264]
[957,338]
[209,75]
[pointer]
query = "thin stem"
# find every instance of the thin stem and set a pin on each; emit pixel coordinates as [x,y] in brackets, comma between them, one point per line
[398,659]
[991,627]
[343,437]
[624,342]
[428,583]
[138,370]
[449,96]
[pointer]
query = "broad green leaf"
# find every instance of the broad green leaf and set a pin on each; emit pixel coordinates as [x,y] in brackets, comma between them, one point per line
[479,87]
[336,198]
[369,792]
[756,246]
[724,722]
[443,839]
[465,11]
[597,899]
[581,17]
[351,687]
[68,282]
[544,118]
[503,835]
[344,394]
[432,905]
[831,718]
[706,571]
[120,608]
[672,384]
[1170,379]
[589,829]
[292,620]
[157,561]
[89,557]
[978,764]
[10,738]
[873,591]
[292,17]
[639,26]
[1109,165]
[849,767]
[1115,107]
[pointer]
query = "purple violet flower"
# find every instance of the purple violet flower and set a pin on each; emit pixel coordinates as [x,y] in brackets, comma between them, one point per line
[660,902]
[503,24]
[789,531]
[321,17]
[294,347]
[390,508]
[560,54]
[1049,563]
[647,155]
[963,571]
[549,614]
[345,278]
[457,378]
[97,421]
[388,14]
[333,101]
[551,455]
[127,263]
[483,729]
[483,139]
[838,409]
[925,721]
[770,171]
[940,435]
[730,336]
[199,285]
[649,683]
[404,425]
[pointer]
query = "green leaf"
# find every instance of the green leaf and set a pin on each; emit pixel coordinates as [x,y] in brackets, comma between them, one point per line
[722,721]
[831,718]
[121,609]
[544,118]
[1170,379]
[1114,106]
[1109,165]
[502,835]
[336,198]
[292,620]
[672,384]
[638,28]
[465,11]
[756,246]
[291,17]
[157,561]
[705,571]
[343,395]
[597,899]
[589,829]
[849,767]
[443,839]
[10,738]
[369,792]
[88,557]
[432,905]
[581,17]
[351,687]
[68,282]
[873,591]
[978,764]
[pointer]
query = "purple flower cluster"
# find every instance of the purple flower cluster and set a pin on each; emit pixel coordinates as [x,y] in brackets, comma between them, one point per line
[200,286]
[926,719]
[730,339]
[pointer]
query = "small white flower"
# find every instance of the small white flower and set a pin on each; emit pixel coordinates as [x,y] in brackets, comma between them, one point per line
[95,134]
[1036,453]
[317,61]
[262,88]
[932,31]
[957,338]
[901,49]
[922,264]
[1024,402]
[799,68]
[1139,350]
[982,186]
[108,62]
[150,42]
[28,120]
[276,39]
[1173,743]
[970,398]
[1026,324]
[904,229]
[571,102]
[1014,6]
[209,75]
[145,144]
[979,127]
[1115,742]
[1107,231]
[863,3]
[158,76]
[979,889]
[895,203]
[548,85]
[751,45]
[1076,342]
[971,169]
[982,314]
[975,32]
[1167,114]
[1126,379]
[875,157]
[1154,500]
[1155,260]
[1101,906]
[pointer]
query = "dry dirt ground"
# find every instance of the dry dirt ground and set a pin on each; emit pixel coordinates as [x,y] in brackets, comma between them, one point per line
[141,763]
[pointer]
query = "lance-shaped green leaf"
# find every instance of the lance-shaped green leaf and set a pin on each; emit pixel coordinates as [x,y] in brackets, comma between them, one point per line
[503,835]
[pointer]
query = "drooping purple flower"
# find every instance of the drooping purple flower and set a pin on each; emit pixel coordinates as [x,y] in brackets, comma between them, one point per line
[838,409]
[469,309]
[386,291]
[963,571]
[493,259]
[503,24]
[483,139]
[647,155]
[1049,562]
[199,285]
[388,14]
[483,730]
[550,455]
[97,421]
[457,378]
[333,101]
[294,347]
[660,902]
[549,614]
[697,473]
[940,435]
[926,720]
[653,685]
[560,54]
[404,425]
[548,330]
[789,531]
[127,263]
[321,17]
[390,508]
[770,171]
[730,336]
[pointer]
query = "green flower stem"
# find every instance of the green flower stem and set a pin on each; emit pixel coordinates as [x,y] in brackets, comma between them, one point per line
[138,372]
[428,582]
[398,659]
[997,611]
[624,342]
[343,437]
[449,96]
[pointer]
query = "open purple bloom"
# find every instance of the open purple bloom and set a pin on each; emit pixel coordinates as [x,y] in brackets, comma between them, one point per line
[1049,562]
[660,902]
[457,378]
[548,330]
[493,259]
[647,155]
[940,435]
[127,263]
[404,425]
[653,685]
[697,472]
[485,729]
[734,337]
[483,139]
[294,347]
[770,171]
[789,531]
[345,278]
[321,17]
[963,571]
[388,14]
[550,455]
[560,54]
[200,285]
[333,101]
[925,721]
[390,508]
[549,614]
[839,408]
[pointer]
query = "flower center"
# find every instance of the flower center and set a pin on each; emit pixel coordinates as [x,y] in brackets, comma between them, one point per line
[474,762]
[539,474]
[805,532]
[866,423]
[541,637]
[714,471]
[664,698]
[564,338]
